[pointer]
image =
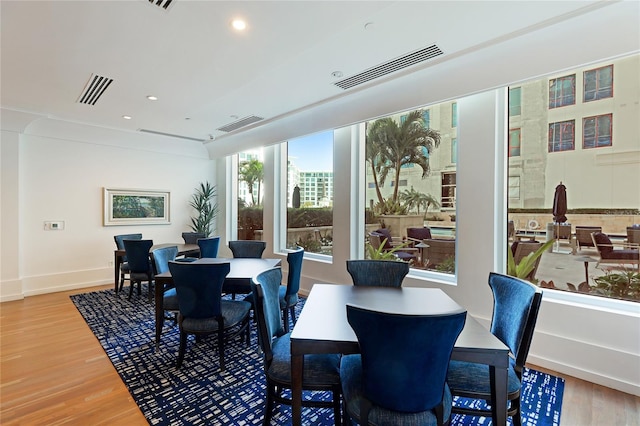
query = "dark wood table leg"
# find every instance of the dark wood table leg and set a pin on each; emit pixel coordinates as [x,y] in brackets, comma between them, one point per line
[498,379]
[159,309]
[297,367]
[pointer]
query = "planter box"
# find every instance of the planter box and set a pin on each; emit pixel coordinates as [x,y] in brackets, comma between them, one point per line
[398,224]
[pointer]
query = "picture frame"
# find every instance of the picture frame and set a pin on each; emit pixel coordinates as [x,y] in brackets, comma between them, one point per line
[136,207]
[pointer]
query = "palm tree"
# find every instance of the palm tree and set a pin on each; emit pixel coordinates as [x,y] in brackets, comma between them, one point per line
[408,143]
[252,172]
[376,139]
[417,199]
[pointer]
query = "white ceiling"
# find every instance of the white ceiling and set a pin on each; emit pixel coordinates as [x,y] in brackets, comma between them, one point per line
[207,75]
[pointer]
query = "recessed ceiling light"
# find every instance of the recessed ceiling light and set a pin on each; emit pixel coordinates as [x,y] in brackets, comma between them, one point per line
[152,98]
[239,24]
[126,117]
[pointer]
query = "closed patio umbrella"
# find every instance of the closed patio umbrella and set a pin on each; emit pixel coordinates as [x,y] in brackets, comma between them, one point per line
[296,197]
[560,204]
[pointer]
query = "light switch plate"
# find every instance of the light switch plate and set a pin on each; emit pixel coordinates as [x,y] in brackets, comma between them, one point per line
[54,225]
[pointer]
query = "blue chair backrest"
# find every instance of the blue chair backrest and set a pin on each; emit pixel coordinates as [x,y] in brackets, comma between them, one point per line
[295,270]
[247,248]
[199,287]
[162,257]
[120,238]
[377,273]
[405,358]
[138,255]
[512,300]
[209,246]
[192,237]
[265,287]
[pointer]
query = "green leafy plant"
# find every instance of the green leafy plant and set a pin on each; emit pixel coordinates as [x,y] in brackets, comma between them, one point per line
[389,206]
[380,253]
[207,209]
[526,265]
[624,285]
[447,266]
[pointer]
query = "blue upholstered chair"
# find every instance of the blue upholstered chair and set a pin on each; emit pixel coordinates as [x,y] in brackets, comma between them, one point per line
[288,294]
[399,377]
[209,246]
[377,273]
[139,264]
[321,371]
[124,267]
[515,310]
[201,309]
[160,262]
[247,248]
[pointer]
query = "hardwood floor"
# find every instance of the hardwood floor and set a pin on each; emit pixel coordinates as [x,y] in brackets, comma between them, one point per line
[53,371]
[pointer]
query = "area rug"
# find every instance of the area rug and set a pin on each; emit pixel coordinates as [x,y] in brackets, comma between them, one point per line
[199,394]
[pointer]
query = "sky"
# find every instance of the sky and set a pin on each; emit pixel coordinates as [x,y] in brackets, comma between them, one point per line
[313,153]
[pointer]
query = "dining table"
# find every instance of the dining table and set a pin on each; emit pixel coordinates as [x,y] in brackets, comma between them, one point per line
[322,327]
[238,280]
[119,255]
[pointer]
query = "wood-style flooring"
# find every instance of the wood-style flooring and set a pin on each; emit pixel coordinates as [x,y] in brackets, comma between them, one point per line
[53,371]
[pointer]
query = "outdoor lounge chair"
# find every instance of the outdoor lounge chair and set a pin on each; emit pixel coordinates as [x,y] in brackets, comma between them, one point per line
[628,254]
[439,251]
[583,235]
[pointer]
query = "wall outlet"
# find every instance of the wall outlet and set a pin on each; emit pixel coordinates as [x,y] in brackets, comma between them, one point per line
[54,225]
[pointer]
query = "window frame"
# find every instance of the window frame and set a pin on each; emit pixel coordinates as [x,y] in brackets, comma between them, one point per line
[596,134]
[564,125]
[557,96]
[608,91]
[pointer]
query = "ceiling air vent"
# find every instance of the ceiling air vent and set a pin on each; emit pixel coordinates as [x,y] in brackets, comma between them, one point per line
[240,123]
[390,66]
[171,135]
[164,4]
[94,89]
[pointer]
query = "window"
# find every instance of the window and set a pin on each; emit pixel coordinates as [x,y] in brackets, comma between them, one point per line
[454,150]
[427,118]
[562,136]
[562,91]
[250,180]
[454,114]
[448,190]
[596,131]
[310,193]
[515,105]
[598,83]
[514,143]
[405,199]
[598,181]
[514,187]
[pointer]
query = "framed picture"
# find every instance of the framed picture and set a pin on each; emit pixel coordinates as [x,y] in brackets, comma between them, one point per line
[136,207]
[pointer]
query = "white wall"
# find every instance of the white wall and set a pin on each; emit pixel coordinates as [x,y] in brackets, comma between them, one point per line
[56,171]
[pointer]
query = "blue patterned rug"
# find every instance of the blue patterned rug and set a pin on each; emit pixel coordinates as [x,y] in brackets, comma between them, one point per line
[198,394]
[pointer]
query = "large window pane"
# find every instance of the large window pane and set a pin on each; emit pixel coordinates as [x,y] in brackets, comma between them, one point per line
[250,181]
[421,156]
[310,193]
[599,174]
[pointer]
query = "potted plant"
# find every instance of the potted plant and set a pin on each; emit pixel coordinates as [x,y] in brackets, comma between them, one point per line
[526,265]
[207,209]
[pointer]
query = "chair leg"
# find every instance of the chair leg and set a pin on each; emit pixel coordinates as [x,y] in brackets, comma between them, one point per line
[131,284]
[182,348]
[292,311]
[221,348]
[516,417]
[268,405]
[285,319]
[121,281]
[336,406]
